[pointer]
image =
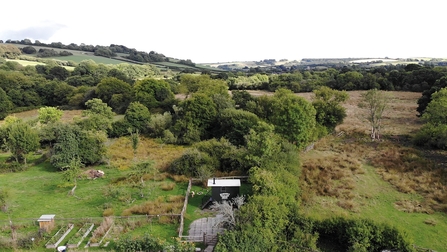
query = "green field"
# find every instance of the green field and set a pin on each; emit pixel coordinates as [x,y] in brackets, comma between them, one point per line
[98,59]
[26,62]
[79,56]
[35,63]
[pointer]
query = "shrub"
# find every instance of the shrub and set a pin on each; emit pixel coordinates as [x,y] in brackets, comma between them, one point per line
[363,235]
[108,212]
[119,128]
[65,53]
[189,162]
[29,50]
[167,186]
[168,137]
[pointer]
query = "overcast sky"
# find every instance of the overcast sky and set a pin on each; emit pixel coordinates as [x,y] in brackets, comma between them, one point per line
[207,31]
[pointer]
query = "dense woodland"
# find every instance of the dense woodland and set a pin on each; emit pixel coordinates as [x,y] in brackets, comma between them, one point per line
[230,134]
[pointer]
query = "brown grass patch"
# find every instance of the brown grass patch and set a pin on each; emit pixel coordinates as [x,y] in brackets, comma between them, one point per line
[102,229]
[162,205]
[167,186]
[412,207]
[108,212]
[179,178]
[329,174]
[348,205]
[121,153]
[411,172]
[431,222]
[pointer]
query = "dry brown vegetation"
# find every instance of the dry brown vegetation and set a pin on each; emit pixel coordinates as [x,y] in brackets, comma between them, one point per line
[167,186]
[330,174]
[162,205]
[102,229]
[122,156]
[332,169]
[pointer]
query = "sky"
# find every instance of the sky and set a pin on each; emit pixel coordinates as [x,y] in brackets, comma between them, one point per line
[211,31]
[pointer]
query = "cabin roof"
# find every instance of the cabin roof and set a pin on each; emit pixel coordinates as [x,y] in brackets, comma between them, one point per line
[46,217]
[224,182]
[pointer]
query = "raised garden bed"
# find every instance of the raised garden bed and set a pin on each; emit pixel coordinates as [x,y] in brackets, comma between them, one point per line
[80,235]
[100,233]
[59,236]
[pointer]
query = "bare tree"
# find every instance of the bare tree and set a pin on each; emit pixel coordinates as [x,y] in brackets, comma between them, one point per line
[375,102]
[226,213]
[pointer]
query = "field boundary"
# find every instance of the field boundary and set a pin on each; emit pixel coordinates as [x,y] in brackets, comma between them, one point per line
[185,205]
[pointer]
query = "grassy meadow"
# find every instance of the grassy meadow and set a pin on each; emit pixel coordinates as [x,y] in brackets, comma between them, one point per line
[388,180]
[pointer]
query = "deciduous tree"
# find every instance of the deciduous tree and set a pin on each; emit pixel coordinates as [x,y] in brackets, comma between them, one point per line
[109,87]
[293,117]
[327,103]
[22,139]
[153,94]
[138,116]
[375,102]
[5,104]
[98,116]
[49,115]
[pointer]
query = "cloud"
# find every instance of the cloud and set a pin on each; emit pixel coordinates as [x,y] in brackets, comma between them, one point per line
[42,31]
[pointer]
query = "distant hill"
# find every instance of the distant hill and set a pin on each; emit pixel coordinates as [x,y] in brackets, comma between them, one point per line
[113,54]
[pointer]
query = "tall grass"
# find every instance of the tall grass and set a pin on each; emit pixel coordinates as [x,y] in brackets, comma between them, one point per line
[389,181]
[122,156]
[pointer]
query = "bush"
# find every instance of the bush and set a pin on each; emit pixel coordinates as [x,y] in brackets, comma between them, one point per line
[434,136]
[12,166]
[145,243]
[190,161]
[119,128]
[168,137]
[167,186]
[65,53]
[29,50]
[108,212]
[363,235]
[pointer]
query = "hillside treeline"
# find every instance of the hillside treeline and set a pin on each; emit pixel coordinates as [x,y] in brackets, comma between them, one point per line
[106,51]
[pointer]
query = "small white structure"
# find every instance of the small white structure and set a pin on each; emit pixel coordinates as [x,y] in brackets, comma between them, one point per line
[46,222]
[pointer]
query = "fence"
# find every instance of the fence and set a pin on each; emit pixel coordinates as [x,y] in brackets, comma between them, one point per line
[185,204]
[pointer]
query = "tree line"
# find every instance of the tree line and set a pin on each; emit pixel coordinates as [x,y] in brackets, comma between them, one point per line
[106,51]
